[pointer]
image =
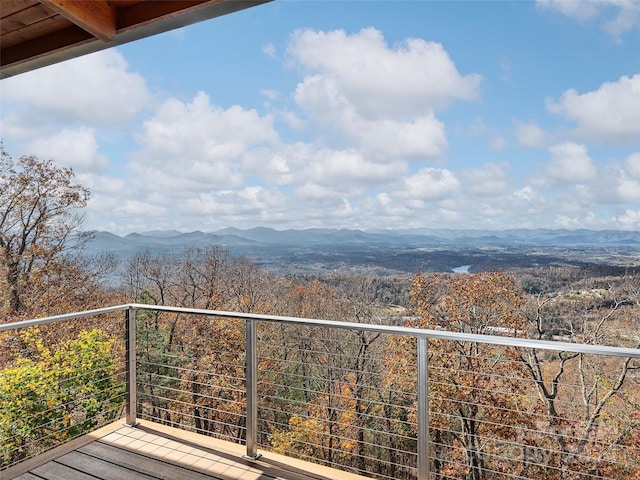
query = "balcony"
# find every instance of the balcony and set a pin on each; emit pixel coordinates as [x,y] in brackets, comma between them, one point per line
[153,451]
[162,392]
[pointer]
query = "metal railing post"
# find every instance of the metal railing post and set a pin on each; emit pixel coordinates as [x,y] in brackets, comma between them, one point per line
[423,409]
[252,389]
[131,386]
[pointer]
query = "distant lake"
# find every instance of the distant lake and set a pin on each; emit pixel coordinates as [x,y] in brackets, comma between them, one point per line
[461,269]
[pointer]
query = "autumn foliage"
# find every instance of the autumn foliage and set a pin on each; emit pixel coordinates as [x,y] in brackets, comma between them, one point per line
[341,397]
[52,396]
[505,410]
[38,213]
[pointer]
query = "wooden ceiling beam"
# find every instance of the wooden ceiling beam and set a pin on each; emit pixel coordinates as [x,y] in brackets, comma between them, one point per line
[81,28]
[94,16]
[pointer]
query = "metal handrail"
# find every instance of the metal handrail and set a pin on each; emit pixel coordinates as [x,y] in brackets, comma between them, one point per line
[406,331]
[422,336]
[58,318]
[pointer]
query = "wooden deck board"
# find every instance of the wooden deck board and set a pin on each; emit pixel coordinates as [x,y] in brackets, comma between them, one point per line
[147,465]
[29,476]
[155,452]
[57,471]
[100,468]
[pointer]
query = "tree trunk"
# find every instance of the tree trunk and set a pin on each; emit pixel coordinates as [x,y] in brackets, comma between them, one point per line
[13,282]
[474,459]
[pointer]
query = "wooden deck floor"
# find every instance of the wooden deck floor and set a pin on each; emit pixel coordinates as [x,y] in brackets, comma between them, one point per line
[155,452]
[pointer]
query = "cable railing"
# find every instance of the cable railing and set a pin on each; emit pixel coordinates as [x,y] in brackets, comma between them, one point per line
[381,401]
[60,378]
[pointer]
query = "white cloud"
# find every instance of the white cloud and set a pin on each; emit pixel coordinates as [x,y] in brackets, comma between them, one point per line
[571,223]
[629,220]
[626,19]
[570,163]
[137,208]
[421,138]
[618,16]
[529,135]
[107,196]
[526,193]
[269,49]
[499,143]
[321,194]
[292,120]
[430,184]
[418,137]
[476,128]
[589,187]
[303,164]
[98,89]
[198,146]
[250,200]
[77,149]
[103,185]
[489,181]
[580,9]
[632,165]
[505,66]
[20,126]
[378,98]
[206,129]
[359,133]
[380,81]
[348,167]
[610,113]
[384,198]
[629,191]
[270,94]
[614,186]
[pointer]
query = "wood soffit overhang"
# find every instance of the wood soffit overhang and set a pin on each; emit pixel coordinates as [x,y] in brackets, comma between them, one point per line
[34,34]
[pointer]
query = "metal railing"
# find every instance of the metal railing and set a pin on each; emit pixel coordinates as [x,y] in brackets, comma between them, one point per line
[382,401]
[60,378]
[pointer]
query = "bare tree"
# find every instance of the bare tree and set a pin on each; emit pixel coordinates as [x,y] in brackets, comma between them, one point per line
[578,390]
[38,213]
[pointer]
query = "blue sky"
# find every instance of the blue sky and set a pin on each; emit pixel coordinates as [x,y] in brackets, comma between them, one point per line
[352,114]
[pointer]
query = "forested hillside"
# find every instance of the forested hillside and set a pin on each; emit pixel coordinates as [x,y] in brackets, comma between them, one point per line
[339,397]
[185,357]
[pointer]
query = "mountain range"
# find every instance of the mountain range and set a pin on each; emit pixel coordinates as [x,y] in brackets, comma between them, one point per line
[389,252]
[268,237]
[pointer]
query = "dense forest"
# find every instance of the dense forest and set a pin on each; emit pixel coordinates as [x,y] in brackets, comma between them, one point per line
[340,397]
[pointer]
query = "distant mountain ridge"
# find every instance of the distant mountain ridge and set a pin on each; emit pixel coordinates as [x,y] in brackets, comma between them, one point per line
[319,250]
[266,237]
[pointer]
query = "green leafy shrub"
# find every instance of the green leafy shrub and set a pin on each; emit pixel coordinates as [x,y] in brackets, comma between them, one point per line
[53,397]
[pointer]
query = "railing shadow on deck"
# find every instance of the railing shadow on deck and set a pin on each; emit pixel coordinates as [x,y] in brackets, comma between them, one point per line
[382,401]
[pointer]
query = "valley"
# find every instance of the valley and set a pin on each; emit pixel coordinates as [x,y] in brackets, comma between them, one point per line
[325,251]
